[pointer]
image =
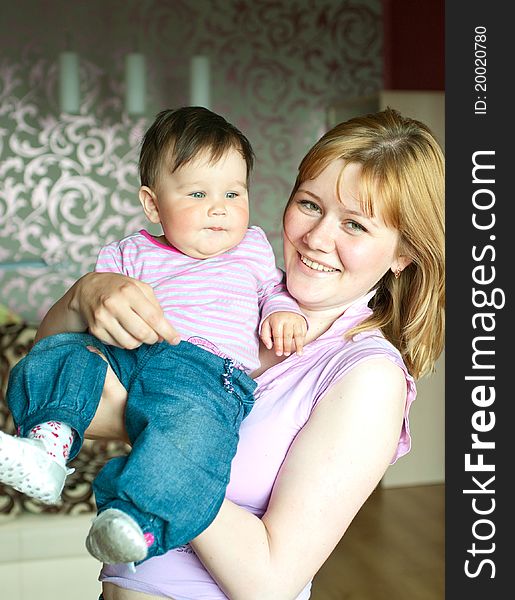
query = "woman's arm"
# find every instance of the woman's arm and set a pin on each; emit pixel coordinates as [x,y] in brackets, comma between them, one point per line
[120,311]
[333,466]
[117,309]
[63,315]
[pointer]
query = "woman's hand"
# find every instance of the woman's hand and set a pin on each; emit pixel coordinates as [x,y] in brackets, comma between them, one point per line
[117,309]
[122,311]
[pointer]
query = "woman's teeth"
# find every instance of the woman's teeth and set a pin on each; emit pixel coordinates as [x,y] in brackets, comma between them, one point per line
[316,266]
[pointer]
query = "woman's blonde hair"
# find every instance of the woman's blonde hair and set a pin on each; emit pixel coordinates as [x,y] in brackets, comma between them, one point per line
[403,175]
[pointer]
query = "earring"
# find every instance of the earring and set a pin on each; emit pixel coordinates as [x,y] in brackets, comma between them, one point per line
[397,273]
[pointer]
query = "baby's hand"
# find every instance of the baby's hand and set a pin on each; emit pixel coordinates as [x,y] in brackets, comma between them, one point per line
[282,328]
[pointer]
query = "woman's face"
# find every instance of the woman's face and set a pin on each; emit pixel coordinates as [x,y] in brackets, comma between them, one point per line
[333,252]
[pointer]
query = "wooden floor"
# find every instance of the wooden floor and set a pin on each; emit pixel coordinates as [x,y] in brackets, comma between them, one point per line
[393,550]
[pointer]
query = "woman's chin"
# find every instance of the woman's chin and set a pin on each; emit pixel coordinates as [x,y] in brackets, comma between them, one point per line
[306,276]
[305,290]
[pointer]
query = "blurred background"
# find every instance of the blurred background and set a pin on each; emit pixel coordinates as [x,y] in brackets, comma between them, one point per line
[68,176]
[79,84]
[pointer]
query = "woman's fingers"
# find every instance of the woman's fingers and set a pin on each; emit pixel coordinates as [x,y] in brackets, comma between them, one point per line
[124,312]
[156,319]
[117,334]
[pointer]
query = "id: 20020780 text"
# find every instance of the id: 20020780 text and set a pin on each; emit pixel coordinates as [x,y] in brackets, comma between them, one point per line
[480,70]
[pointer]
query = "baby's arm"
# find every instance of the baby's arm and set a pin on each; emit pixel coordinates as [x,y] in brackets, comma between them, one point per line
[282,326]
[284,331]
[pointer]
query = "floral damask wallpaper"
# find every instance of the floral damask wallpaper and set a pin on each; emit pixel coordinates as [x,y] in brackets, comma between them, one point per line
[68,183]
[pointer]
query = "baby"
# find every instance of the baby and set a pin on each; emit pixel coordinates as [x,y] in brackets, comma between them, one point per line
[216,278]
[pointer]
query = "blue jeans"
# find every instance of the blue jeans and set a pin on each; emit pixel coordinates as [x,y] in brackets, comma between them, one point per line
[184,409]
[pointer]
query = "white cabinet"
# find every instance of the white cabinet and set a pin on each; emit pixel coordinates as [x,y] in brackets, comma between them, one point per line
[43,556]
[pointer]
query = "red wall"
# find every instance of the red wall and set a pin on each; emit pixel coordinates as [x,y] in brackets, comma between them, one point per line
[414,39]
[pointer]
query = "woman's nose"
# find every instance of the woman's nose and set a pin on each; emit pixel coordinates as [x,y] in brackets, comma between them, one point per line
[321,237]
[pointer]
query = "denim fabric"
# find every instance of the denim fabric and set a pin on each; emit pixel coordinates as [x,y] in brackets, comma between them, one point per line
[58,380]
[183,414]
[184,409]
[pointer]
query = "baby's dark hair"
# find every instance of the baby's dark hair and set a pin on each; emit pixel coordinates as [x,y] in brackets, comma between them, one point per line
[178,136]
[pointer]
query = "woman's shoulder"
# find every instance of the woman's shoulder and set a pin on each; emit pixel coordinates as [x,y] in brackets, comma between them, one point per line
[363,347]
[327,360]
[373,344]
[301,382]
[344,352]
[374,367]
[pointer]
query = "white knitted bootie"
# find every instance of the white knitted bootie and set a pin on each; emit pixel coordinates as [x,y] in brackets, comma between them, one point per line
[26,467]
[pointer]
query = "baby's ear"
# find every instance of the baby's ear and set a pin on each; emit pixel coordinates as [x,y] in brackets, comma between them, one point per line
[148,200]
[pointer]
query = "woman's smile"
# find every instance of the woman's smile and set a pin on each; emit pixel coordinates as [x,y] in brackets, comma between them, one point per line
[313,265]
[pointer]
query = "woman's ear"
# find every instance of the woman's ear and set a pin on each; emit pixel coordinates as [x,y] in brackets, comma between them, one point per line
[148,200]
[399,264]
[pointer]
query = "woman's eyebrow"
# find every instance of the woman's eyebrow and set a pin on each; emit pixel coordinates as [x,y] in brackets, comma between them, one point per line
[312,194]
[350,211]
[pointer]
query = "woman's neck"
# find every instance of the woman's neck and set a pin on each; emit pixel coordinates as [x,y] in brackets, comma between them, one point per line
[320,321]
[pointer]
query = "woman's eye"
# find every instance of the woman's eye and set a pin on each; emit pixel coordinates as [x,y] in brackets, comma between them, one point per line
[198,195]
[354,226]
[309,205]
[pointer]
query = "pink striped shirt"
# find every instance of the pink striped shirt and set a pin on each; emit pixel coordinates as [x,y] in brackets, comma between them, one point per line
[217,303]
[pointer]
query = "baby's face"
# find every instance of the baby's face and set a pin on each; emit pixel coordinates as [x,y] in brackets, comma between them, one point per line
[204,207]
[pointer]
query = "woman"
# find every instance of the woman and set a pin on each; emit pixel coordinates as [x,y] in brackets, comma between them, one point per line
[364,258]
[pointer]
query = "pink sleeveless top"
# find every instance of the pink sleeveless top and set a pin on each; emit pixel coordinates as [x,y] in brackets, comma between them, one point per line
[286,395]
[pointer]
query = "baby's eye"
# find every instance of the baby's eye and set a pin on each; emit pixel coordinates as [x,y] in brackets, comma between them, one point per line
[231,195]
[310,205]
[198,195]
